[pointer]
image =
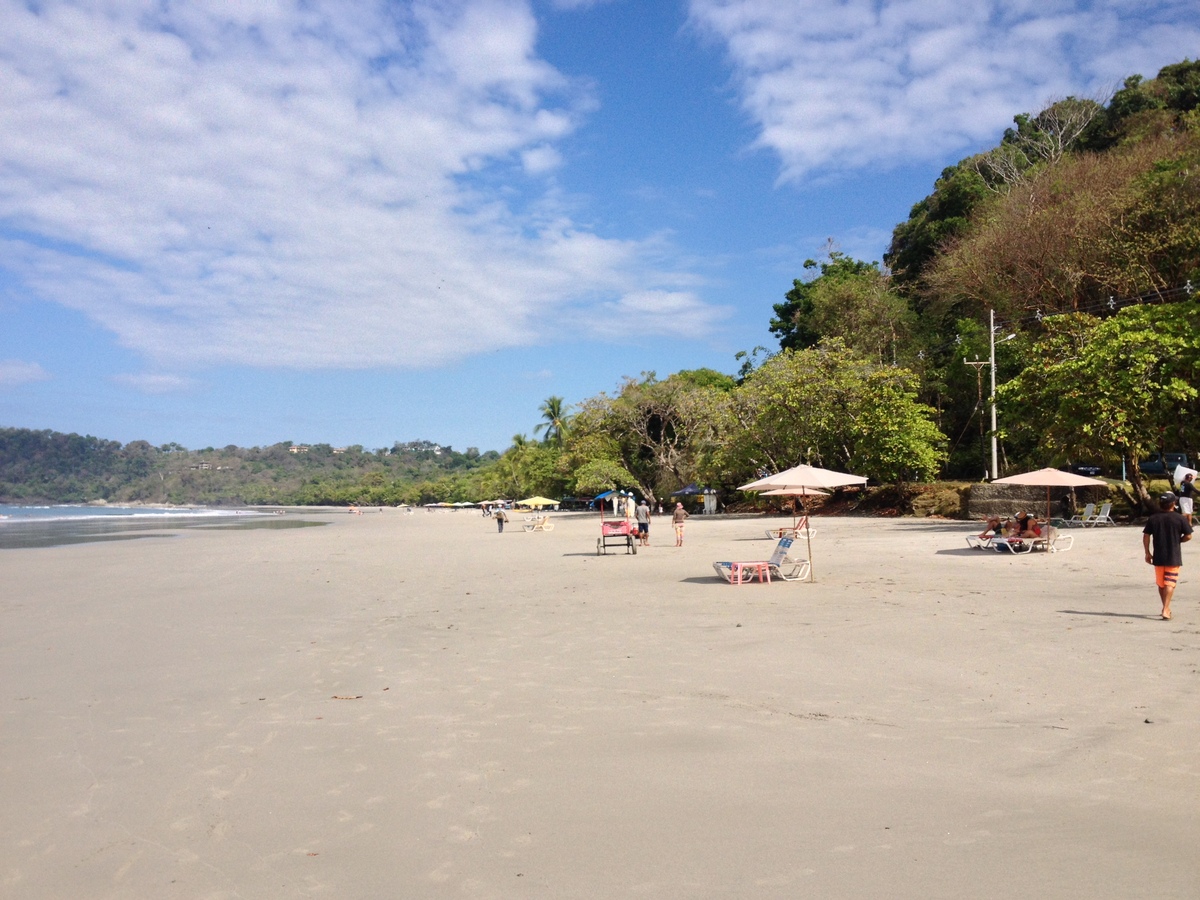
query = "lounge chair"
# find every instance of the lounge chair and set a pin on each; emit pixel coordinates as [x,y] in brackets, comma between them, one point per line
[1082,518]
[1012,545]
[780,566]
[1051,539]
[1102,517]
[542,524]
[1054,540]
[975,542]
[800,530]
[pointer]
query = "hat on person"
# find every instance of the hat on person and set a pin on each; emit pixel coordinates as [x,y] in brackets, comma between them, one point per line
[1168,497]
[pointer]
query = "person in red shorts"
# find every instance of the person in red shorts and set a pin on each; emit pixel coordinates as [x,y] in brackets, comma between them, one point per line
[1167,531]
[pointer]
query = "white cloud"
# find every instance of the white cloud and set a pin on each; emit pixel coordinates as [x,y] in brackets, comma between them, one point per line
[154,383]
[14,372]
[837,85]
[294,184]
[639,314]
[577,4]
[539,160]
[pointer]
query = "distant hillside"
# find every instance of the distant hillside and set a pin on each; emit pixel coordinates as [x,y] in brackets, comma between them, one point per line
[50,467]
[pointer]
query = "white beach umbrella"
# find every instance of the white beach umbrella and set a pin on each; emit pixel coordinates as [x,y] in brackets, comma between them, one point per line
[804,479]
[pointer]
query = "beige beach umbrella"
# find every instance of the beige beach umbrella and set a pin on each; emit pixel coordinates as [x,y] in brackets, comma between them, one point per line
[1051,478]
[537,501]
[804,478]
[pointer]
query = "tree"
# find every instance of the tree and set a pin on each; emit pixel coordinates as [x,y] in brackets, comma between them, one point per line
[1037,140]
[831,407]
[795,324]
[933,221]
[860,309]
[1093,226]
[555,420]
[1142,108]
[1119,388]
[650,432]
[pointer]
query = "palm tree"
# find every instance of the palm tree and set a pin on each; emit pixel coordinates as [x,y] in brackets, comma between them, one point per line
[555,420]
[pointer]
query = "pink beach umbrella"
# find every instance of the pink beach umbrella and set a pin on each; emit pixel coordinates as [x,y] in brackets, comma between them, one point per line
[1051,478]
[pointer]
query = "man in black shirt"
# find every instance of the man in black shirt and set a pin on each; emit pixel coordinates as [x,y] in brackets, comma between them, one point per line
[1168,531]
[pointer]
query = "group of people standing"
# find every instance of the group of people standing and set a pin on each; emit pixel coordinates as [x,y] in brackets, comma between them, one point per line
[640,515]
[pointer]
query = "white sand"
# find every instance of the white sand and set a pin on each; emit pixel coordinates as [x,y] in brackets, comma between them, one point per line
[531,720]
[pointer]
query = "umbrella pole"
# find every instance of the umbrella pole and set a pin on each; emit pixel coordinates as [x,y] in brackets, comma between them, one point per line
[812,575]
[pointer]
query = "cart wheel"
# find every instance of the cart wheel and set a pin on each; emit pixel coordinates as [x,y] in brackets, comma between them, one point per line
[633,546]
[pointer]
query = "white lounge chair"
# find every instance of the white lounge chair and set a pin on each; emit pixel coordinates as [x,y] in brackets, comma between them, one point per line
[800,530]
[1051,539]
[542,524]
[1054,540]
[780,566]
[1102,517]
[975,542]
[1083,518]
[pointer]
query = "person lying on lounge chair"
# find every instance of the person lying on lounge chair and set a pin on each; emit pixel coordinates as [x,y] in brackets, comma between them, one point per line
[993,528]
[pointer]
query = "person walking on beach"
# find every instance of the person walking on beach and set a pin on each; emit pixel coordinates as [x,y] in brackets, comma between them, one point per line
[642,514]
[677,519]
[501,517]
[1187,496]
[1163,538]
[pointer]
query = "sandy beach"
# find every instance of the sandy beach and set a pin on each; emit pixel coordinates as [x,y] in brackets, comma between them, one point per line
[417,706]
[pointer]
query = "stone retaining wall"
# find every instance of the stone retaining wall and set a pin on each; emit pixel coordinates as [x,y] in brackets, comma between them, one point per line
[983,500]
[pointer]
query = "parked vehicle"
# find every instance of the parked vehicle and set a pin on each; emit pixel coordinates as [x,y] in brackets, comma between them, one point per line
[1088,469]
[1163,463]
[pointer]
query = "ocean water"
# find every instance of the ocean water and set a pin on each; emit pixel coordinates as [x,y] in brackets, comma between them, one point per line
[53,526]
[75,512]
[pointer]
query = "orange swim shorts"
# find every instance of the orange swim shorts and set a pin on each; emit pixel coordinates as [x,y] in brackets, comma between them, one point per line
[1165,576]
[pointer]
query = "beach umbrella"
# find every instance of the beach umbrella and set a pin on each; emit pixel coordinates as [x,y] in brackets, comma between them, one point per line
[537,501]
[1051,478]
[804,478]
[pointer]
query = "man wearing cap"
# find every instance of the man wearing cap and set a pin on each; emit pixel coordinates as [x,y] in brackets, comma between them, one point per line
[1167,531]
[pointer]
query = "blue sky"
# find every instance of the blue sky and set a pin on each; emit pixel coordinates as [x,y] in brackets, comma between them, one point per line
[361,222]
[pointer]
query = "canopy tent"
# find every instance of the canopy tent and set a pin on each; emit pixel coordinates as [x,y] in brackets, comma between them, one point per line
[614,496]
[537,501]
[803,479]
[1051,478]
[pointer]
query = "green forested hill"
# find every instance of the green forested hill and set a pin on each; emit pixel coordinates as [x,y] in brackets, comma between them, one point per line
[47,466]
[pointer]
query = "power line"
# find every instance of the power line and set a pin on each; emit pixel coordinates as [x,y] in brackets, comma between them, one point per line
[1098,308]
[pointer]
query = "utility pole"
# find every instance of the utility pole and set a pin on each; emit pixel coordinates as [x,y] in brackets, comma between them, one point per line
[992,344]
[978,366]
